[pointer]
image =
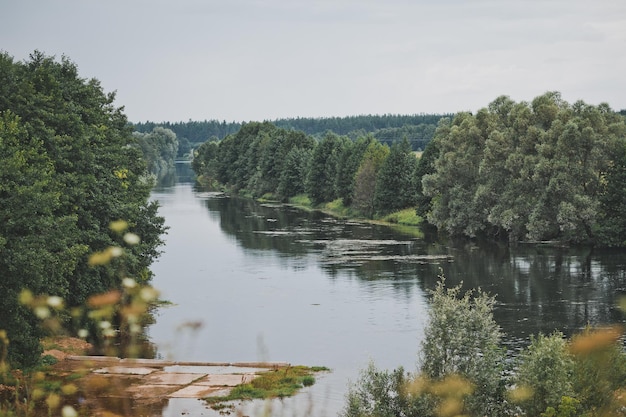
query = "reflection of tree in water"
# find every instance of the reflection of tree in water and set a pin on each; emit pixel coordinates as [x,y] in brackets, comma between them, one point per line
[538,288]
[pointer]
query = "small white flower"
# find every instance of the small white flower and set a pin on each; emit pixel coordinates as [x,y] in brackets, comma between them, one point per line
[116,251]
[148,294]
[42,312]
[131,239]
[55,301]
[129,283]
[108,333]
[69,411]
[105,324]
[83,333]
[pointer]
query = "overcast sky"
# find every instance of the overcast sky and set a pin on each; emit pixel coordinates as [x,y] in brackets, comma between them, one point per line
[242,60]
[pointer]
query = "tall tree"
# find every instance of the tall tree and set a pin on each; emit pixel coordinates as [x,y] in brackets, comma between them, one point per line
[320,184]
[395,185]
[99,176]
[366,176]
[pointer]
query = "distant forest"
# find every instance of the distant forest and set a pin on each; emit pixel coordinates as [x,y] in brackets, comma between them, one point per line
[418,129]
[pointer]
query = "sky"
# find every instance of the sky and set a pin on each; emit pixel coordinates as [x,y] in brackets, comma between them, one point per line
[254,60]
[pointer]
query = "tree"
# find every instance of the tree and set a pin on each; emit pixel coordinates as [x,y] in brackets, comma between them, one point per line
[159,148]
[381,393]
[90,173]
[366,176]
[395,184]
[320,183]
[462,338]
[525,171]
[349,162]
[293,176]
[545,368]
[426,166]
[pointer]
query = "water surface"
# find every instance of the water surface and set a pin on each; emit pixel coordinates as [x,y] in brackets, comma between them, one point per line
[254,281]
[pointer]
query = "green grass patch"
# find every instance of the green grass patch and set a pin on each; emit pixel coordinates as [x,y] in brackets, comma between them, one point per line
[407,217]
[301,200]
[275,383]
[269,198]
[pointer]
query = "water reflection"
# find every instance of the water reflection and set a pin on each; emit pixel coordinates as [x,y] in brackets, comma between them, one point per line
[539,288]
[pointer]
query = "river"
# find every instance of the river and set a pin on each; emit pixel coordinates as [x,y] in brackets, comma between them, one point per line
[251,281]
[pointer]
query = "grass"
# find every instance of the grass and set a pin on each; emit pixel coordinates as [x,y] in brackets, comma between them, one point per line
[301,200]
[277,383]
[406,217]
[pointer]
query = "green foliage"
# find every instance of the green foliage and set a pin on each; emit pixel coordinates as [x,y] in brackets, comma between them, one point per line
[364,197]
[463,339]
[568,407]
[529,171]
[381,393]
[275,383]
[545,368]
[295,169]
[159,148]
[599,375]
[406,217]
[69,167]
[320,182]
[395,182]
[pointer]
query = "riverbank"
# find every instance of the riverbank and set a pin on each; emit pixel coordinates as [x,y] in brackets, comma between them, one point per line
[405,221]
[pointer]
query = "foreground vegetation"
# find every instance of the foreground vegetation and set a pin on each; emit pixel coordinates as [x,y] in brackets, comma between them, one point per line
[69,167]
[464,371]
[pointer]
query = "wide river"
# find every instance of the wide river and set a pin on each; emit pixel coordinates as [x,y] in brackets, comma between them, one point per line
[252,281]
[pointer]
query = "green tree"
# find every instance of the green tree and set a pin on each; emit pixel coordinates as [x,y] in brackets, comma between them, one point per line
[462,338]
[453,185]
[521,171]
[349,162]
[35,252]
[97,176]
[159,148]
[395,184]
[320,183]
[365,178]
[545,368]
[295,169]
[381,393]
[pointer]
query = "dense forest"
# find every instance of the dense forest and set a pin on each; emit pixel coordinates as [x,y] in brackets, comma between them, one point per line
[545,170]
[69,168]
[417,129]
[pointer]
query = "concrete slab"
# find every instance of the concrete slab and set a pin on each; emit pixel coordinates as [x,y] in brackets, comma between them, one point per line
[151,391]
[125,370]
[212,370]
[198,391]
[225,380]
[169,378]
[218,392]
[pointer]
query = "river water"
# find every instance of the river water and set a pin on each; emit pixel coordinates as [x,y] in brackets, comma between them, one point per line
[251,281]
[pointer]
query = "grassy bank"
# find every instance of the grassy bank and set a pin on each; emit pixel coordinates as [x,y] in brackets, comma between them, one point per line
[405,221]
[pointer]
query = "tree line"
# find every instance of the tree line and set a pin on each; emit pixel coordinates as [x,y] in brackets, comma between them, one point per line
[418,129]
[264,160]
[69,167]
[544,170]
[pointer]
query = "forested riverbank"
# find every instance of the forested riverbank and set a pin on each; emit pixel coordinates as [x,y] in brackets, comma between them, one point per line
[544,170]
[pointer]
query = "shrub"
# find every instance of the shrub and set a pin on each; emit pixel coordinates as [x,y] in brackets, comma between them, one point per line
[545,368]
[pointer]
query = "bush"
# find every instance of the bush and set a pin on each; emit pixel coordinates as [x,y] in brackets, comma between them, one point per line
[462,338]
[380,393]
[545,369]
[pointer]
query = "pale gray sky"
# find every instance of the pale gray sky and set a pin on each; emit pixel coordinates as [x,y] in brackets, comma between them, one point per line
[241,60]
